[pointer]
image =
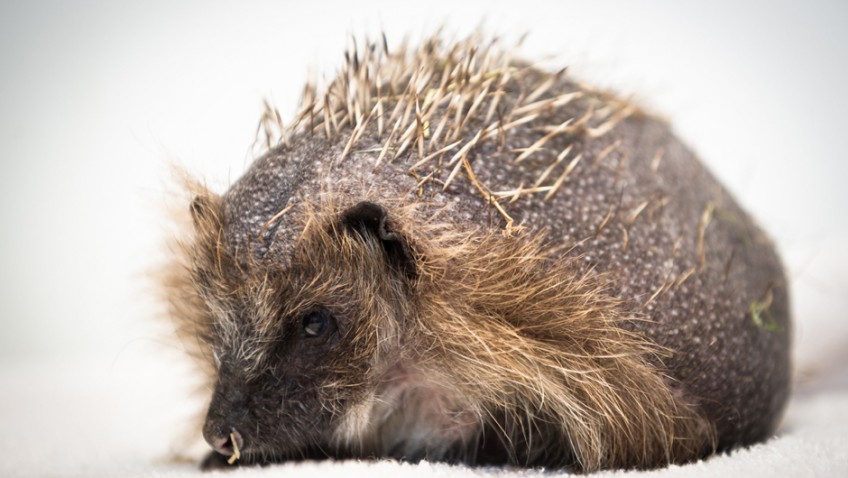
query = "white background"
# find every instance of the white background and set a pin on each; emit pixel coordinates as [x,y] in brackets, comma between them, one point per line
[98,98]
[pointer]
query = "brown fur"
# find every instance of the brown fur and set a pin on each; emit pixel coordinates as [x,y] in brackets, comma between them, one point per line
[515,337]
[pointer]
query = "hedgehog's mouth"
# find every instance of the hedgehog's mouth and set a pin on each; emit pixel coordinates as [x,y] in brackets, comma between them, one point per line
[231,446]
[235,440]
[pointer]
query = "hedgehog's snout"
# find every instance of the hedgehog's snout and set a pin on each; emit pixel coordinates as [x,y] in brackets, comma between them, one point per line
[225,443]
[220,428]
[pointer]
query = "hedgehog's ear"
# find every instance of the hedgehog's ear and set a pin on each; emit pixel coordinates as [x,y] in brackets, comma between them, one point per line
[368,219]
[204,210]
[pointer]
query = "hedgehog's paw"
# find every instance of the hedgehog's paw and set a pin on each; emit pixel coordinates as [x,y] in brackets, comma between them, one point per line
[216,461]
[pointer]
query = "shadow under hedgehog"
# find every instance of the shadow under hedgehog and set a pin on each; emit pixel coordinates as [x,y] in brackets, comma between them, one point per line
[452,255]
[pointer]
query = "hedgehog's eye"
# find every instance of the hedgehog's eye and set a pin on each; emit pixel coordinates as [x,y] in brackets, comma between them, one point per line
[316,323]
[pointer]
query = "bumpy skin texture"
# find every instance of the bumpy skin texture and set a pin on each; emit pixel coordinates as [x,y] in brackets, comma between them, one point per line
[627,206]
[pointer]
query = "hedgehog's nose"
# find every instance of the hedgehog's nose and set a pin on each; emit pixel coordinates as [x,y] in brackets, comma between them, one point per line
[226,445]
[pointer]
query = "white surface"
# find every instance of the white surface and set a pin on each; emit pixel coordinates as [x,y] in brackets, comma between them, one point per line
[97,98]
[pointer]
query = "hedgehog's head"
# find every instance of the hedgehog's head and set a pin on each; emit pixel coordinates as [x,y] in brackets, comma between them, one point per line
[299,345]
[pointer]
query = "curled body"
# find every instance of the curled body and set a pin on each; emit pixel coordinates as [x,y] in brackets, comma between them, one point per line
[455,256]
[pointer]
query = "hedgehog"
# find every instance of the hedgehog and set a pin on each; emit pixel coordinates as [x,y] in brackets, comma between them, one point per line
[452,254]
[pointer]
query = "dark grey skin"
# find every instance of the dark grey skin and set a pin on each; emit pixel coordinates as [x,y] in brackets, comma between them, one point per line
[725,325]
